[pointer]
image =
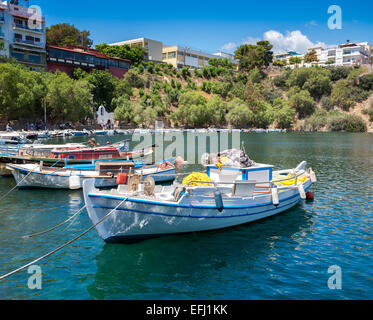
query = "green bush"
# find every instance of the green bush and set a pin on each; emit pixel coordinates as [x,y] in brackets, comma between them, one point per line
[327,103]
[369,112]
[338,73]
[317,121]
[366,82]
[303,103]
[347,122]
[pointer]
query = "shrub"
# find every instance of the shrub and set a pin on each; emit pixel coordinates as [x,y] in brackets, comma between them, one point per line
[239,114]
[347,122]
[326,103]
[317,121]
[341,95]
[338,73]
[256,75]
[369,112]
[284,114]
[303,103]
[366,82]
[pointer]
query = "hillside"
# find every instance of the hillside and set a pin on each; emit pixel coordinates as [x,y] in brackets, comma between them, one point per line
[307,99]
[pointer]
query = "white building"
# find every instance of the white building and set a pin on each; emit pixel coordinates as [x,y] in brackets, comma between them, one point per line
[22,32]
[348,54]
[178,56]
[104,117]
[153,48]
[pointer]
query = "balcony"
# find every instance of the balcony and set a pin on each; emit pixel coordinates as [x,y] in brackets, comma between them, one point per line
[25,13]
[26,28]
[29,43]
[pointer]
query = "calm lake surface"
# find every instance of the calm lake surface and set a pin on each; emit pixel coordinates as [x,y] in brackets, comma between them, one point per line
[283,257]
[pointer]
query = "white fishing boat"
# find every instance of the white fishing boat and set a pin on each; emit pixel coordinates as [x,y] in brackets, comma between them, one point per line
[227,197]
[104,175]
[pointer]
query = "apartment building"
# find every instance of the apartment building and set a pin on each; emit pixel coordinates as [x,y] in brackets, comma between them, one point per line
[348,54]
[22,31]
[66,59]
[153,48]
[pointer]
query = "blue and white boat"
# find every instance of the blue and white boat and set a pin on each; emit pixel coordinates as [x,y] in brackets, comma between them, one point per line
[231,196]
[39,176]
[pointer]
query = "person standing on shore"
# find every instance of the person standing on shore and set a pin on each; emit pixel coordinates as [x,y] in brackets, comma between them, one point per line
[8,127]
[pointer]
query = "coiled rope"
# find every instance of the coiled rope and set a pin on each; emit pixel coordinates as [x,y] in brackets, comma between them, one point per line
[64,245]
[55,227]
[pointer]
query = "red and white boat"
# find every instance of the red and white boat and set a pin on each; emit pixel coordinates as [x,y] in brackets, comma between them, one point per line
[98,153]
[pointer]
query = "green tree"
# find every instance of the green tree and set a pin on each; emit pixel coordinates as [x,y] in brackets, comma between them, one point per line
[103,88]
[124,110]
[135,54]
[68,99]
[239,114]
[21,92]
[311,57]
[284,114]
[295,60]
[254,56]
[303,103]
[64,34]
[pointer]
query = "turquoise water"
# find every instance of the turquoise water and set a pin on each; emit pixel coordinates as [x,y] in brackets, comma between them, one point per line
[283,257]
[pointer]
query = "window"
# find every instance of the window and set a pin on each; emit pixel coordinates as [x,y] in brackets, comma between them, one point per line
[29,39]
[171,55]
[18,36]
[164,56]
[113,63]
[18,55]
[124,65]
[18,22]
[180,53]
[34,58]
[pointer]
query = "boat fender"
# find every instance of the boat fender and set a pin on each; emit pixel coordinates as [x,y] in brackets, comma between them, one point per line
[122,178]
[179,192]
[219,200]
[301,191]
[312,175]
[310,196]
[74,183]
[275,199]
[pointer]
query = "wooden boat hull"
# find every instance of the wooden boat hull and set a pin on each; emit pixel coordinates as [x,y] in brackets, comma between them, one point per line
[141,219]
[29,177]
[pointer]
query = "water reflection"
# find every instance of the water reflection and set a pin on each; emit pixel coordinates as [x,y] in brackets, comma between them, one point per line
[172,267]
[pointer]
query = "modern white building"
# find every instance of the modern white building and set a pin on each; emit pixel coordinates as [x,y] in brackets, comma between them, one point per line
[22,33]
[348,54]
[153,48]
[178,56]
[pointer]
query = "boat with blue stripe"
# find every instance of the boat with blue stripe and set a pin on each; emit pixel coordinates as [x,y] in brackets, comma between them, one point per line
[230,197]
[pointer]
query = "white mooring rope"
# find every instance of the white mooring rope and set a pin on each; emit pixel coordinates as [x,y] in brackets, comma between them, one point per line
[56,226]
[15,186]
[62,246]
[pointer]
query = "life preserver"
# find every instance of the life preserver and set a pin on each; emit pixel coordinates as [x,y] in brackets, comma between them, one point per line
[162,165]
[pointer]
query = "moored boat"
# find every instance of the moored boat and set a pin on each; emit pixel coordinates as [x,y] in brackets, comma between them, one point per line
[228,197]
[104,175]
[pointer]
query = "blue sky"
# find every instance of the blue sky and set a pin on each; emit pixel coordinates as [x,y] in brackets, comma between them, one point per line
[213,25]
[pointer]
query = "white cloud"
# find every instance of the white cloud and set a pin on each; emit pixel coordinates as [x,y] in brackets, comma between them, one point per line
[292,41]
[228,46]
[251,40]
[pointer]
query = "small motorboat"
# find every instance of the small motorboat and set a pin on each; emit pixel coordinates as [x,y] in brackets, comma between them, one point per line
[224,197]
[104,175]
